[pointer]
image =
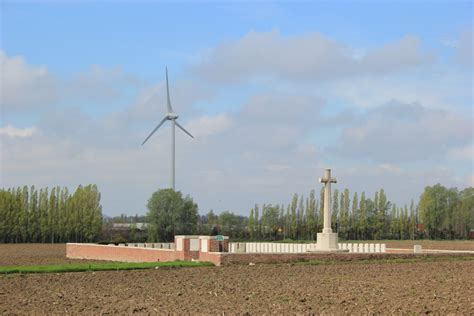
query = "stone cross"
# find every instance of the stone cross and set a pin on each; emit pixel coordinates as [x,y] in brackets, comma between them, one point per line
[327,180]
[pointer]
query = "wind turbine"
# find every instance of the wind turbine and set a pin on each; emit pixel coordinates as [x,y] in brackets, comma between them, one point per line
[171,116]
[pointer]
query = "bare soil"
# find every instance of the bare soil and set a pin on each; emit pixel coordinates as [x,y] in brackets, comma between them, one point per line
[34,254]
[441,287]
[433,244]
[415,288]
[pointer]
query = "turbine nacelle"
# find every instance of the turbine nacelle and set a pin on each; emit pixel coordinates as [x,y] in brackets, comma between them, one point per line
[172,116]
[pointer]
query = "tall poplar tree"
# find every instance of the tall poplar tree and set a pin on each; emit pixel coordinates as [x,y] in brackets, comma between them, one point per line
[294,223]
[251,226]
[355,217]
[335,211]
[312,216]
[363,216]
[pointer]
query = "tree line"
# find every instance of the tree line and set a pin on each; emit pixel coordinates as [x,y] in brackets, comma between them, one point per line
[441,213]
[29,216]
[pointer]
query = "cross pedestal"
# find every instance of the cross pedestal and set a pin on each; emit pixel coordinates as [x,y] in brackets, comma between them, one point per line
[327,240]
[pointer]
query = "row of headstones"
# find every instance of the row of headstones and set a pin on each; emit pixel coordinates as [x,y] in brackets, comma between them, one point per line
[260,247]
[362,247]
[267,247]
[162,245]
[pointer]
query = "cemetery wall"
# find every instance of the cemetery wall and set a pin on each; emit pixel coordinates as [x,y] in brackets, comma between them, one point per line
[200,248]
[119,253]
[214,257]
[186,251]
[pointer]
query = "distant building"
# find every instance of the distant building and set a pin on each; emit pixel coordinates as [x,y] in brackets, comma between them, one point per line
[128,226]
[124,232]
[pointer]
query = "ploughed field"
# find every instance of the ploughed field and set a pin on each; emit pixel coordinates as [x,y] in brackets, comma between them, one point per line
[415,287]
[34,254]
[441,286]
[433,244]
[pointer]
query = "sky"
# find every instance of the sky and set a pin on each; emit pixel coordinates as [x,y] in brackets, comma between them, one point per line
[274,93]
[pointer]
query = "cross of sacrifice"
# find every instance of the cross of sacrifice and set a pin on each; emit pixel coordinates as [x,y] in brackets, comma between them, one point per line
[327,180]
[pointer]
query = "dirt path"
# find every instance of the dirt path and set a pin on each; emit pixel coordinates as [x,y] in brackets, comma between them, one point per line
[412,288]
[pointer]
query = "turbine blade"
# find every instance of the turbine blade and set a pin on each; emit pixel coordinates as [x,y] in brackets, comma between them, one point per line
[184,130]
[170,109]
[156,128]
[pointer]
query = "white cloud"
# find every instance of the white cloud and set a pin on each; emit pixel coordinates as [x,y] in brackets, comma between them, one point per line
[311,56]
[208,125]
[15,132]
[23,86]
[99,84]
[439,88]
[149,105]
[465,153]
[31,88]
[277,167]
[405,132]
[405,53]
[388,167]
[308,149]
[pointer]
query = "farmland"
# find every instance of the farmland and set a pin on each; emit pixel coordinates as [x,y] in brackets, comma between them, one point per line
[433,244]
[33,254]
[423,286]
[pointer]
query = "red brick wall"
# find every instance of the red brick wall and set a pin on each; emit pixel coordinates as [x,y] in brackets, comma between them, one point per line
[214,245]
[119,253]
[214,257]
[139,254]
[188,254]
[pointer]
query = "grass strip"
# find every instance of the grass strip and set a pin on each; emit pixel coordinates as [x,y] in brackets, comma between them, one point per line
[387,261]
[106,266]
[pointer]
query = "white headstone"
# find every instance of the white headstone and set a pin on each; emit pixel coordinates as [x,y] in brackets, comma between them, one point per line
[194,244]
[417,249]
[204,245]
[355,247]
[371,248]
[179,243]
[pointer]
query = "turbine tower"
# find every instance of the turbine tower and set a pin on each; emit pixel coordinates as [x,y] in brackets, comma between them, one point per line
[171,116]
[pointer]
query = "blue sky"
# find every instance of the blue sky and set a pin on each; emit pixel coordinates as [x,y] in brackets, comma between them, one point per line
[144,36]
[258,81]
